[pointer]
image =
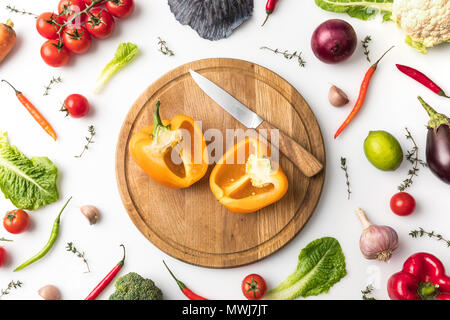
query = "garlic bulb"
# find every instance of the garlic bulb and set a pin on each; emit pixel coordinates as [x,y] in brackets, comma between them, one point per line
[376,242]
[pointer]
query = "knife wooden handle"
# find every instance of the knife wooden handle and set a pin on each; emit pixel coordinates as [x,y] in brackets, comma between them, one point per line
[298,155]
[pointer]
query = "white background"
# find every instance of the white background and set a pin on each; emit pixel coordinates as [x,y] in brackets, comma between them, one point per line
[391,105]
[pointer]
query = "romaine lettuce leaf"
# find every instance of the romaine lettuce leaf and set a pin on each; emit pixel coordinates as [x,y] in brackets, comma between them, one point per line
[364,10]
[124,54]
[321,264]
[28,183]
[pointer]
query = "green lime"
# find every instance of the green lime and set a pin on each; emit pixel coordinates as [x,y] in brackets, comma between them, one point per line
[383,150]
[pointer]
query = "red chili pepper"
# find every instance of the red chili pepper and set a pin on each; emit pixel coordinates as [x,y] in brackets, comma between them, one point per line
[187,292]
[109,277]
[421,78]
[34,112]
[422,278]
[270,7]
[362,95]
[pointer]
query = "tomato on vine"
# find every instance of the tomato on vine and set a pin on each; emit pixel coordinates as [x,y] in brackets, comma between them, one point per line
[47,24]
[76,40]
[68,8]
[254,287]
[54,53]
[120,8]
[99,23]
[76,105]
[89,2]
[16,221]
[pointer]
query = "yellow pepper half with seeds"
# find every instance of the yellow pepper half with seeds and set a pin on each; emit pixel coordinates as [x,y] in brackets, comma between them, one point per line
[173,153]
[246,180]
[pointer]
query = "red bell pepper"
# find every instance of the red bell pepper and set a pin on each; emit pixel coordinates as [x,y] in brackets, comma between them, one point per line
[422,278]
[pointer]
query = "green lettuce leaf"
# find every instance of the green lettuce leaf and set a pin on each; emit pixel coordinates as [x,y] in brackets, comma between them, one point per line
[124,54]
[321,264]
[364,10]
[28,183]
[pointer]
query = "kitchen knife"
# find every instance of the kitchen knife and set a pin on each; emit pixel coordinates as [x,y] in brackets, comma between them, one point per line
[298,155]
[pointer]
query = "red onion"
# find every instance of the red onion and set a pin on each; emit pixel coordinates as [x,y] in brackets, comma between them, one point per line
[334,41]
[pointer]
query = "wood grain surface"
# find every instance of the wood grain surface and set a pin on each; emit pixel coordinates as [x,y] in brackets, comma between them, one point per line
[189,224]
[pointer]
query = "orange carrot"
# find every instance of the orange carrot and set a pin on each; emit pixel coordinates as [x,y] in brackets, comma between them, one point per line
[7,38]
[34,112]
[362,95]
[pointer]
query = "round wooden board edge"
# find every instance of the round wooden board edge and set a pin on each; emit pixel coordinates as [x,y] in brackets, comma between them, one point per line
[187,256]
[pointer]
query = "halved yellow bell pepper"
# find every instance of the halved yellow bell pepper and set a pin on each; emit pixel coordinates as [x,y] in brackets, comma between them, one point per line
[246,179]
[173,153]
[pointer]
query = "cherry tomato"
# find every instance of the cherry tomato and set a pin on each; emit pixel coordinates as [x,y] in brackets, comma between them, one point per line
[76,105]
[16,221]
[54,53]
[67,8]
[76,40]
[3,256]
[99,23]
[88,3]
[403,204]
[254,287]
[46,25]
[120,8]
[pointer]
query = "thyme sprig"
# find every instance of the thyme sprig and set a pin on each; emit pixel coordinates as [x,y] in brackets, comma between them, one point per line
[366,292]
[365,45]
[20,11]
[90,139]
[344,167]
[288,55]
[12,285]
[413,157]
[421,233]
[53,81]
[3,239]
[163,48]
[71,248]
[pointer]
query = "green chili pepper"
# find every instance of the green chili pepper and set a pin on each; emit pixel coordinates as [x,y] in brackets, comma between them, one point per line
[50,243]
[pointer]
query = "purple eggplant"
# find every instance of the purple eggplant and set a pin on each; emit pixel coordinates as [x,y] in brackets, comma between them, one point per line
[438,143]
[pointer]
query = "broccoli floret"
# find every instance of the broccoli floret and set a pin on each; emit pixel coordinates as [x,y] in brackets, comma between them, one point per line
[134,287]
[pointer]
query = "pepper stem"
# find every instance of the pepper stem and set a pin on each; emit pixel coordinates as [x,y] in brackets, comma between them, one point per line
[180,284]
[122,262]
[267,18]
[58,218]
[157,122]
[375,65]
[428,290]
[436,119]
[442,94]
[17,91]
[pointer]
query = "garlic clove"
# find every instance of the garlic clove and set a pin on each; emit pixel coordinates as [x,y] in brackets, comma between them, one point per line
[49,292]
[337,97]
[91,213]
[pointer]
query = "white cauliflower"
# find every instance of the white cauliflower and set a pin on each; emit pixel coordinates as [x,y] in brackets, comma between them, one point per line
[425,22]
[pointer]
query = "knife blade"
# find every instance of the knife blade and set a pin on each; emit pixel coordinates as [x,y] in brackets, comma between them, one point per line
[229,103]
[298,155]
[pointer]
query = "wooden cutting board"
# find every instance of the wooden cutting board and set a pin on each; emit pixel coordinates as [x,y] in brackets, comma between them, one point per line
[189,224]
